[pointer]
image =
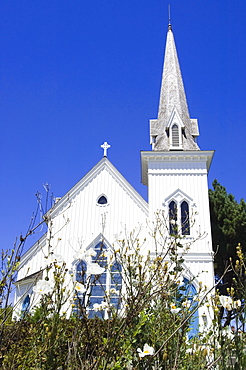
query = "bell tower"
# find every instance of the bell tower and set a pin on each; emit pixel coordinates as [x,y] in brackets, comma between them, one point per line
[176,170]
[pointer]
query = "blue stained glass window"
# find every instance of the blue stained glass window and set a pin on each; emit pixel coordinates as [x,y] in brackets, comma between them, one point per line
[116,277]
[179,213]
[185,220]
[116,283]
[26,304]
[100,257]
[99,284]
[79,301]
[81,272]
[173,217]
[188,291]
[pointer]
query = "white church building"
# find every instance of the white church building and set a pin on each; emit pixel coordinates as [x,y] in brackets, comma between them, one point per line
[103,205]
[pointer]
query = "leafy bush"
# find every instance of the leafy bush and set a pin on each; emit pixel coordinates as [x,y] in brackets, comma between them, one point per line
[148,329]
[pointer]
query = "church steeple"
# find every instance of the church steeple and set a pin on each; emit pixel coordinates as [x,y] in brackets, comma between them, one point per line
[173,130]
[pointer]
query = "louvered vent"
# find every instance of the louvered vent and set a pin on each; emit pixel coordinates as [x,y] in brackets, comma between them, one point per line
[175,135]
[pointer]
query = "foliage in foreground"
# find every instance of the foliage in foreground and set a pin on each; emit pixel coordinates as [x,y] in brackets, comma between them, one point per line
[149,329]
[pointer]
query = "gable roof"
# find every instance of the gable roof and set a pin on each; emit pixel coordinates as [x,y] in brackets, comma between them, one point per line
[103,164]
[178,193]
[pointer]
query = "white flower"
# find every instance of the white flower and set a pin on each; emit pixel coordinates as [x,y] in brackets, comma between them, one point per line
[97,307]
[80,288]
[104,305]
[189,350]
[114,291]
[174,309]
[42,287]
[55,258]
[173,222]
[227,332]
[186,304]
[147,351]
[94,269]
[237,304]
[85,254]
[100,306]
[226,302]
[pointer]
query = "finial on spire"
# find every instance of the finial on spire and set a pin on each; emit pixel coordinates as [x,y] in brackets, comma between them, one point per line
[169,18]
[105,147]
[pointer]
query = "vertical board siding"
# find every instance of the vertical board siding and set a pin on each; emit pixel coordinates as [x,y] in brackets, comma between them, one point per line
[85,218]
[164,177]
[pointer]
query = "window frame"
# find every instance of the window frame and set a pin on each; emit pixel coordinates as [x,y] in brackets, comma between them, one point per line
[173,217]
[89,284]
[178,227]
[189,290]
[179,198]
[175,136]
[102,204]
[26,305]
[185,219]
[178,136]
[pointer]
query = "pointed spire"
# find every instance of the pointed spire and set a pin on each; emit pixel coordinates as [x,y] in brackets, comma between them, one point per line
[172,87]
[173,102]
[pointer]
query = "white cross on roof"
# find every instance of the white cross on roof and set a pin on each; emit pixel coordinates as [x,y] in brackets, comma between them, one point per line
[105,147]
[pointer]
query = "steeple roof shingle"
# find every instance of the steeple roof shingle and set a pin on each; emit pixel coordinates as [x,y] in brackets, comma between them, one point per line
[173,98]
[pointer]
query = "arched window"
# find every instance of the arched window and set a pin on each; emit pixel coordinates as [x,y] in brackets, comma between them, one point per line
[173,218]
[175,135]
[116,283]
[185,219]
[79,304]
[81,272]
[97,286]
[98,283]
[189,292]
[102,200]
[179,214]
[25,304]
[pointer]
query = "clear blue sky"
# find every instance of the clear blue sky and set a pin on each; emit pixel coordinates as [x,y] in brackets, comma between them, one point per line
[76,73]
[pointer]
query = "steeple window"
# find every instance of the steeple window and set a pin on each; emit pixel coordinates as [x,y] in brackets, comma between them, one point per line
[175,135]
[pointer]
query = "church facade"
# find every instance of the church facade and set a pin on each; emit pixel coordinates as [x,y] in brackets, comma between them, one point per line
[103,207]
